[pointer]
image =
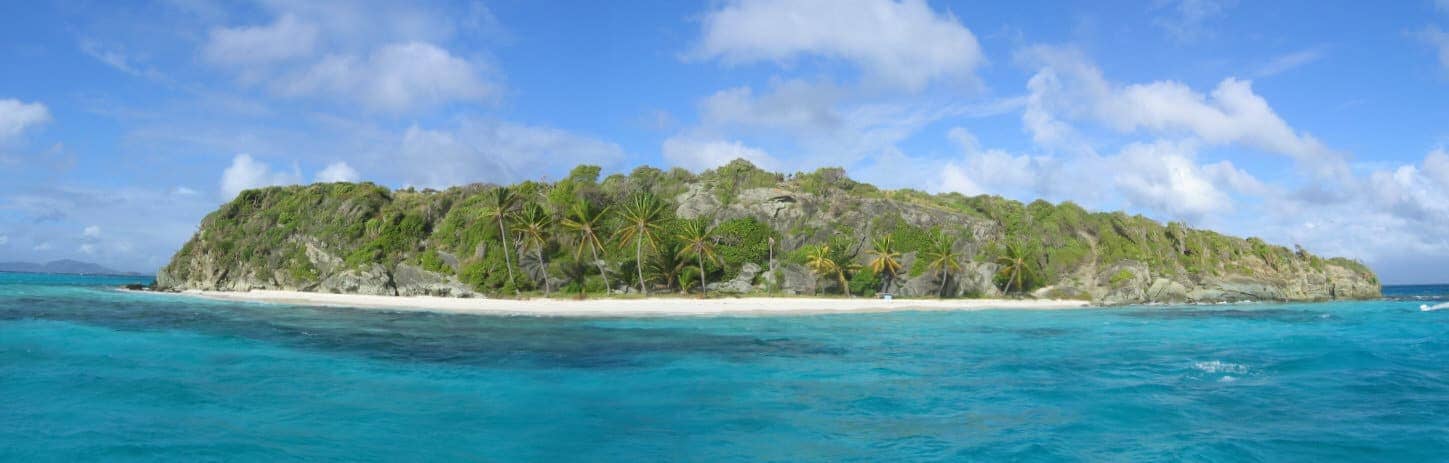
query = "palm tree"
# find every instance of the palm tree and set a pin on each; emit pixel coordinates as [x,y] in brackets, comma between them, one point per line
[533,226]
[822,262]
[819,261]
[501,205]
[885,259]
[1014,265]
[667,265]
[584,221]
[698,239]
[643,216]
[943,258]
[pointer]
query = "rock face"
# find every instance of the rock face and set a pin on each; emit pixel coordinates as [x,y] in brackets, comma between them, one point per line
[743,283]
[372,279]
[365,239]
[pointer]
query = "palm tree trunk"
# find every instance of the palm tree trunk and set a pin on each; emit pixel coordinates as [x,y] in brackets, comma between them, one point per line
[602,273]
[843,285]
[507,261]
[539,253]
[639,263]
[703,280]
[943,285]
[885,286]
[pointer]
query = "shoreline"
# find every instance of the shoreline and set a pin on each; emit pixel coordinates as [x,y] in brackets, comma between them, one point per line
[663,306]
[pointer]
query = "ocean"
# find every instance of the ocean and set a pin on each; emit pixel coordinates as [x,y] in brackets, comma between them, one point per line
[90,373]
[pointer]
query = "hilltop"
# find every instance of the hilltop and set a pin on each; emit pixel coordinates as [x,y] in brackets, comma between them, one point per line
[826,233]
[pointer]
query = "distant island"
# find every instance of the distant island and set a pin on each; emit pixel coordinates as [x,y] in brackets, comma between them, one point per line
[734,230]
[63,266]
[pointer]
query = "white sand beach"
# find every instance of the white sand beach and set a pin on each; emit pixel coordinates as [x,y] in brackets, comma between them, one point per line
[617,307]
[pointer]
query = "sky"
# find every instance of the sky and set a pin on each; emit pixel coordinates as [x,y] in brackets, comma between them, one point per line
[1320,124]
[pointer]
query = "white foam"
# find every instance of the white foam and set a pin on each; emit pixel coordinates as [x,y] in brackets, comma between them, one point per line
[1431,308]
[1215,366]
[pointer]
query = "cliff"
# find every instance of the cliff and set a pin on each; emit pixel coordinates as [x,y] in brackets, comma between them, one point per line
[363,238]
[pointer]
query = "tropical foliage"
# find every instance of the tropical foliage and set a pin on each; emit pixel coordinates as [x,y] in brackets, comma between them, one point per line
[583,231]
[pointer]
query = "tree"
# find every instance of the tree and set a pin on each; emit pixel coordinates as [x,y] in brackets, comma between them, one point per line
[822,262]
[885,259]
[584,221]
[643,217]
[819,261]
[667,265]
[532,225]
[501,205]
[942,257]
[698,240]
[1015,265]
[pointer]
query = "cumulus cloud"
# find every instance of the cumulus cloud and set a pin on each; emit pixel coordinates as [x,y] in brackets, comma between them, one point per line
[699,155]
[376,56]
[1164,177]
[246,173]
[1161,177]
[394,78]
[338,172]
[494,151]
[91,232]
[794,105]
[16,117]
[900,43]
[286,38]
[819,123]
[1069,88]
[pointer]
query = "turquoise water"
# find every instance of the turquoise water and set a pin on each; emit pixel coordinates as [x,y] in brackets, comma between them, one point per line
[88,373]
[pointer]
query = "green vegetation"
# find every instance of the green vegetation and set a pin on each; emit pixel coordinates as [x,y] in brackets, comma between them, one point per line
[580,232]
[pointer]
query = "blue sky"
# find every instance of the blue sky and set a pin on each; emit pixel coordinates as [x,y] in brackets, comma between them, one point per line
[1323,124]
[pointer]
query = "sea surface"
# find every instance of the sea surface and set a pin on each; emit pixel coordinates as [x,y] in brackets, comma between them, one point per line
[88,373]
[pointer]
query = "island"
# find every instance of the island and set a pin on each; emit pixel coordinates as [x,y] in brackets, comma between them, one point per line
[736,231]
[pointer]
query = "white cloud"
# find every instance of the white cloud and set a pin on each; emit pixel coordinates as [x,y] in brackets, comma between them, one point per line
[378,55]
[4,239]
[1068,87]
[1289,62]
[246,173]
[286,38]
[126,228]
[1438,39]
[820,123]
[793,105]
[494,151]
[1164,177]
[395,78]
[1188,20]
[17,117]
[697,155]
[338,172]
[899,43]
[87,248]
[119,60]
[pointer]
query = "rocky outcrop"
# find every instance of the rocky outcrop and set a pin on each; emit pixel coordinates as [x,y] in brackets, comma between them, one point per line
[333,277]
[743,283]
